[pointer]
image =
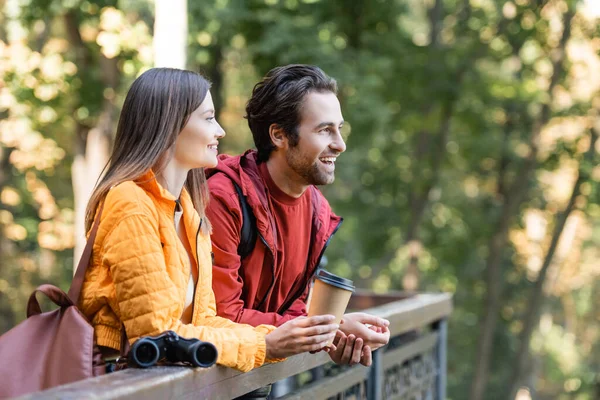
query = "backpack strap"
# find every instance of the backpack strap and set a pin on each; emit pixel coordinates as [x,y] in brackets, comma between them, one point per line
[248,233]
[85,260]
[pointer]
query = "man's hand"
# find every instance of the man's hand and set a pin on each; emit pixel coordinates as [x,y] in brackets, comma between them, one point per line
[299,335]
[350,350]
[372,330]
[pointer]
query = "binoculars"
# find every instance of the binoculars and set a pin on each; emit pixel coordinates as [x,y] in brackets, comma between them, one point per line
[147,351]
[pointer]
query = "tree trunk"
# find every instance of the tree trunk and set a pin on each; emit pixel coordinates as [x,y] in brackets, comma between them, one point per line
[170,33]
[570,311]
[215,74]
[419,203]
[86,170]
[92,144]
[3,22]
[536,299]
[418,197]
[5,174]
[514,198]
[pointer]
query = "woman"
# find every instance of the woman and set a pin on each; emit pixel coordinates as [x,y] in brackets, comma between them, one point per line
[151,267]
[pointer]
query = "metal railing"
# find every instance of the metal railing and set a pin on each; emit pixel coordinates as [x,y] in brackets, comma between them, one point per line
[411,366]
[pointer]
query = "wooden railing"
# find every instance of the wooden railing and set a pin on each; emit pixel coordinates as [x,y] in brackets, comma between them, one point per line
[412,365]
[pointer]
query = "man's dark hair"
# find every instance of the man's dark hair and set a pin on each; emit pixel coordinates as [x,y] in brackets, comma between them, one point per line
[277,99]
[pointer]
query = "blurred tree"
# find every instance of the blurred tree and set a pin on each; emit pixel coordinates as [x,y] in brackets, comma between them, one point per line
[512,199]
[61,69]
[447,102]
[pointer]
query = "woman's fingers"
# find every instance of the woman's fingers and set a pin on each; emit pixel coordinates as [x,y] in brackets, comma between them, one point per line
[319,330]
[311,340]
[305,322]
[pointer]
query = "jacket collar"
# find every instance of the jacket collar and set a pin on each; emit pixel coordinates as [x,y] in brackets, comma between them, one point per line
[150,184]
[166,201]
[244,171]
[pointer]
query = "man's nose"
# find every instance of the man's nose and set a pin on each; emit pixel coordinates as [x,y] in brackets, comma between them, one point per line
[338,143]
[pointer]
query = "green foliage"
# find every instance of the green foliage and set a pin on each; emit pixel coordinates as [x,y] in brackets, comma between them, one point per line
[441,107]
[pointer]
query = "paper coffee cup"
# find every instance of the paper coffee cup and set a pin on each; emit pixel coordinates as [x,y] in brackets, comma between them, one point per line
[330,295]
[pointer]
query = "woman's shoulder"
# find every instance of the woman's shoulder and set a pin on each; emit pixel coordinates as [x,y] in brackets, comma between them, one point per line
[128,198]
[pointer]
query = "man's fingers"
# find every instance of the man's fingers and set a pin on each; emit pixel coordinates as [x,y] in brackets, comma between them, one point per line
[356,351]
[340,347]
[381,338]
[338,335]
[373,320]
[377,329]
[347,354]
[367,356]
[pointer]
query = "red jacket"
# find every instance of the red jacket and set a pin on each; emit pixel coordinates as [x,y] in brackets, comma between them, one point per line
[243,288]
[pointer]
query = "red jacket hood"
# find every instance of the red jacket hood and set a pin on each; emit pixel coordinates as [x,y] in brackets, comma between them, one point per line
[244,171]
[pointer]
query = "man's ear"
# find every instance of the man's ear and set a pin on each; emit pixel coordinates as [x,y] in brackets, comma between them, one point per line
[278,137]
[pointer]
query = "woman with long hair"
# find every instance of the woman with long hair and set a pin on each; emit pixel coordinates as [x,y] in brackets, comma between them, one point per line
[151,267]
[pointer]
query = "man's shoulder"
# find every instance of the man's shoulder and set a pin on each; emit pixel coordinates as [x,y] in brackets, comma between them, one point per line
[223,194]
[220,181]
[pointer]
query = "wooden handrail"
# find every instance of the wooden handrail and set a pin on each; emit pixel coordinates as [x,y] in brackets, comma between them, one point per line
[219,382]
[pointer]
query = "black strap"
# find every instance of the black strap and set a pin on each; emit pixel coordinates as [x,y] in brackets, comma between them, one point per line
[248,233]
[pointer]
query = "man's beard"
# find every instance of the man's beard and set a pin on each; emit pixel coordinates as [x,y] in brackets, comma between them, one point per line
[308,170]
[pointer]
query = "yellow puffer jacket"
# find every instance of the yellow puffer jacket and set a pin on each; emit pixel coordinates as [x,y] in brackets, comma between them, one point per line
[140,271]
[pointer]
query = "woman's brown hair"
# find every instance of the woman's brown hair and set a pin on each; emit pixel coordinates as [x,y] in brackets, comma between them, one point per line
[156,108]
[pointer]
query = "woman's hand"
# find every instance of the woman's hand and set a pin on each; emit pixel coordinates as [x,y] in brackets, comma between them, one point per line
[372,330]
[300,335]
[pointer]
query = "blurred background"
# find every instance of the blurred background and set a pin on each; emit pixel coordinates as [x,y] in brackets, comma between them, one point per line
[472,161]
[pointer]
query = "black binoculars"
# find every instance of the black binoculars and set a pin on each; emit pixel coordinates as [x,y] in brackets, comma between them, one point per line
[148,350]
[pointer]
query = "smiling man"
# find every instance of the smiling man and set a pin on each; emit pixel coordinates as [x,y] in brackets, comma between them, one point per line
[271,225]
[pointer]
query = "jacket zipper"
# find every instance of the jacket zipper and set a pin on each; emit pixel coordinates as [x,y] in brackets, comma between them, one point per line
[197,259]
[298,293]
[198,268]
[177,236]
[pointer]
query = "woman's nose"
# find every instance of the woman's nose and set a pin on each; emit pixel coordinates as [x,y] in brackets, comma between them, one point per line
[220,132]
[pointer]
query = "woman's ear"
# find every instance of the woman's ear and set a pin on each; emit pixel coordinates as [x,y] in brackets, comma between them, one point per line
[278,137]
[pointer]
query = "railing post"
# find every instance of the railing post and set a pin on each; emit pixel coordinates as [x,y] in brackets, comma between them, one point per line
[442,345]
[375,380]
[283,386]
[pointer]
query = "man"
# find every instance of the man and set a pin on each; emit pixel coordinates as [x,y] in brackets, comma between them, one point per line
[296,121]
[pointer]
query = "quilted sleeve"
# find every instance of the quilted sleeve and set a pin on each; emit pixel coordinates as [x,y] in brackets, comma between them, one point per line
[148,300]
